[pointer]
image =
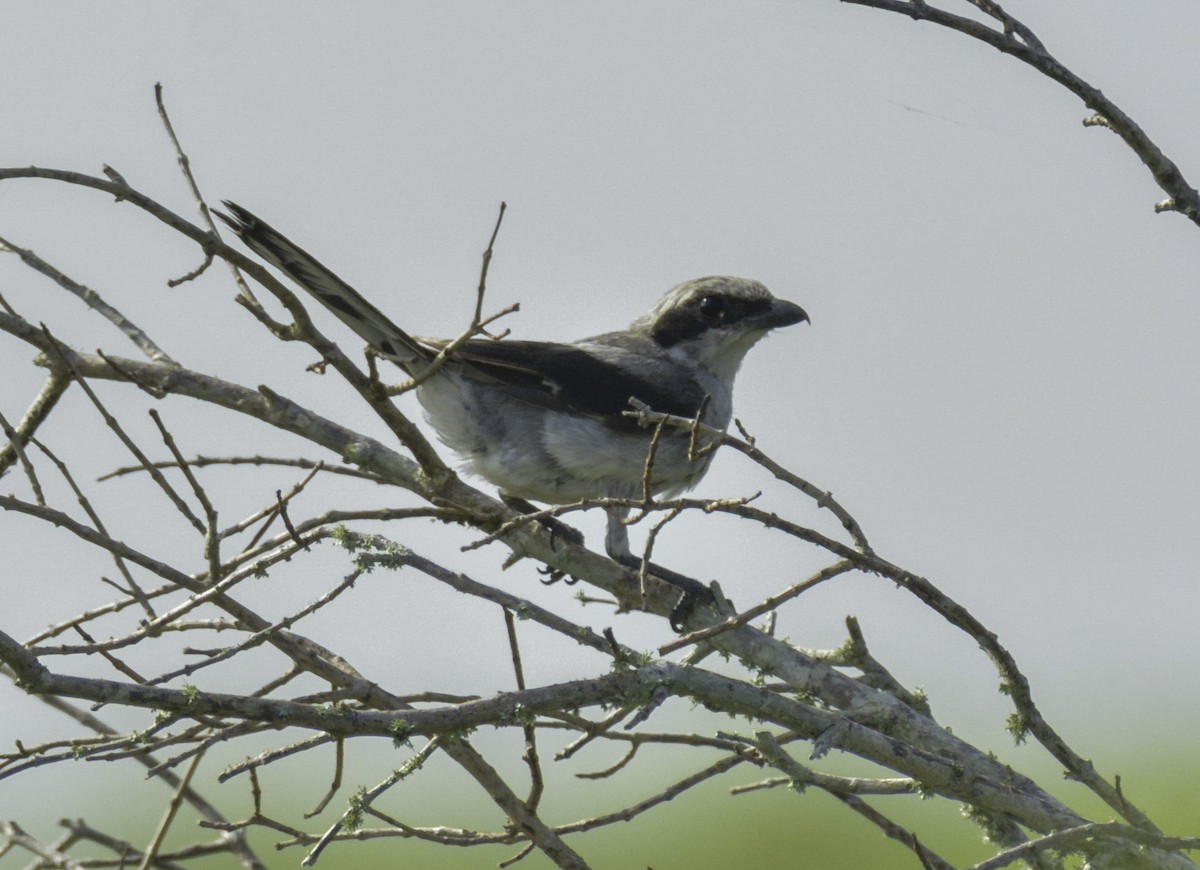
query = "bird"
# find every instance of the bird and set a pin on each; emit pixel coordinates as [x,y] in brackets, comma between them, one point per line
[547,421]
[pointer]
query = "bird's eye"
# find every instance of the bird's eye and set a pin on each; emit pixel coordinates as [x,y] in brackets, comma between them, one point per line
[712,307]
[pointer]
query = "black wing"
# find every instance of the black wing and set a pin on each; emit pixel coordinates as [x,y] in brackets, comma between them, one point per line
[563,376]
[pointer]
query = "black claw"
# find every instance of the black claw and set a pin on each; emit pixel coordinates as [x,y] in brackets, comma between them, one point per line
[556,527]
[692,593]
[553,575]
[680,611]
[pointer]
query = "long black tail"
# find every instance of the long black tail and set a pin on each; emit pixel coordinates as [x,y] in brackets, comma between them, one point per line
[371,324]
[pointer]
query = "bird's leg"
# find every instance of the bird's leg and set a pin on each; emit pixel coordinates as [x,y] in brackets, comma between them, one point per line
[616,544]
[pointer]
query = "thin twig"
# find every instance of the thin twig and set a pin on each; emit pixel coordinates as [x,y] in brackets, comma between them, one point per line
[45,402]
[185,166]
[352,817]
[117,429]
[15,443]
[339,757]
[1015,39]
[148,857]
[93,300]
[536,782]
[132,587]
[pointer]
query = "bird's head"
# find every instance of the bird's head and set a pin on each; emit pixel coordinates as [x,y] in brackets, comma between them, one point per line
[714,321]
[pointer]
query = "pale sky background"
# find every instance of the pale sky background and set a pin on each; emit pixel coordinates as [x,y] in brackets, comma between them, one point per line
[1000,375]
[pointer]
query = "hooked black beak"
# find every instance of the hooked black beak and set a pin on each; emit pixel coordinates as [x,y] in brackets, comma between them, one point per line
[783,313]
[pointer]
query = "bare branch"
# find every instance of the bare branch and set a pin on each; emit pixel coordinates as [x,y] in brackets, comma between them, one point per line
[1015,39]
[93,300]
[843,699]
[56,384]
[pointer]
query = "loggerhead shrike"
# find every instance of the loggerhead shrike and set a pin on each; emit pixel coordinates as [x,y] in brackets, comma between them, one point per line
[545,421]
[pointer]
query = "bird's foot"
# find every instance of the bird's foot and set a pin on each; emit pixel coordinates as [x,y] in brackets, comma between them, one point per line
[692,593]
[557,528]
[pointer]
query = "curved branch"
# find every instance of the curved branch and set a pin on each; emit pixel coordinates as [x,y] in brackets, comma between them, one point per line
[1017,40]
